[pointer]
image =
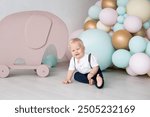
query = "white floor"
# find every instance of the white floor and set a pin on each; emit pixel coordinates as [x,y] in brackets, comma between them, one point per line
[118,85]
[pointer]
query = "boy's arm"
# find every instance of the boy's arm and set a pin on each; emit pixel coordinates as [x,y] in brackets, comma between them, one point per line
[69,77]
[92,72]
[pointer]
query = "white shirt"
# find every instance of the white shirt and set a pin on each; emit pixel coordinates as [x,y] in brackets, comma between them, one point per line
[83,66]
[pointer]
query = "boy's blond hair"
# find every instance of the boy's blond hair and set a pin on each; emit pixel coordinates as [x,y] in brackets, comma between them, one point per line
[74,40]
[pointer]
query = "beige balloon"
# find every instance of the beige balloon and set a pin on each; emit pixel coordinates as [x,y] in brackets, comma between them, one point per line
[109,4]
[90,24]
[140,8]
[120,39]
[103,27]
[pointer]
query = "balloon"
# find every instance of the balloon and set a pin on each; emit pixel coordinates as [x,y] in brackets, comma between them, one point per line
[98,42]
[134,8]
[90,24]
[146,25]
[147,51]
[148,33]
[137,44]
[103,26]
[108,16]
[111,32]
[140,63]
[121,10]
[99,3]
[122,2]
[120,19]
[109,4]
[133,24]
[130,71]
[141,32]
[87,19]
[94,11]
[120,58]
[117,27]
[120,39]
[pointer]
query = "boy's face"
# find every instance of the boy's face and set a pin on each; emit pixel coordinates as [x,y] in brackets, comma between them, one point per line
[77,50]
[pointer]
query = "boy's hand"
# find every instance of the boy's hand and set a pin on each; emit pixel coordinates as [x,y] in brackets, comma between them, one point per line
[89,76]
[67,81]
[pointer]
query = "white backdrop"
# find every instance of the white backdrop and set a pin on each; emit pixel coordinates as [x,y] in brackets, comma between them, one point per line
[72,12]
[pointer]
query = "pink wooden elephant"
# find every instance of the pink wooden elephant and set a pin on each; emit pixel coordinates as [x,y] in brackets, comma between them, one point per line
[26,35]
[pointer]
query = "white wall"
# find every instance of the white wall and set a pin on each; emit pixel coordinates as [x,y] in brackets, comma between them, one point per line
[72,12]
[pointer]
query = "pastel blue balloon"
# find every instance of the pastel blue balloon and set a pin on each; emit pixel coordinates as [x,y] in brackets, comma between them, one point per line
[50,60]
[122,2]
[98,42]
[117,27]
[137,44]
[121,10]
[146,25]
[147,51]
[120,19]
[94,11]
[125,15]
[120,58]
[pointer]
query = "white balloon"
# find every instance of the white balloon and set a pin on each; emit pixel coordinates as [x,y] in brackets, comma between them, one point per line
[103,27]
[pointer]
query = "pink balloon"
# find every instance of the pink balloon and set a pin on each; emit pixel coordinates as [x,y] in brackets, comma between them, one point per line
[148,33]
[140,63]
[108,16]
[133,24]
[130,71]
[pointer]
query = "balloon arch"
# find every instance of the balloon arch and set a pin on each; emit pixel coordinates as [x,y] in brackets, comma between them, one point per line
[118,33]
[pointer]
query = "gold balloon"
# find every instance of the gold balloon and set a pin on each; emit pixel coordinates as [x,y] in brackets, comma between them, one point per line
[120,39]
[142,33]
[109,4]
[90,24]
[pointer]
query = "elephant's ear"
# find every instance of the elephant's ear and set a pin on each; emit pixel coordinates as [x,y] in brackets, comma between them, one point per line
[37,29]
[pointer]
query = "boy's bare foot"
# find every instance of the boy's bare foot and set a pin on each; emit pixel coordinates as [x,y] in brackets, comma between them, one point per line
[91,81]
[99,80]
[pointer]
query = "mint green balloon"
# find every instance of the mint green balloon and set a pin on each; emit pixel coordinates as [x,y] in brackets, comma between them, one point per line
[137,44]
[118,26]
[98,42]
[120,19]
[121,10]
[120,58]
[94,11]
[147,51]
[122,2]
[146,25]
[50,60]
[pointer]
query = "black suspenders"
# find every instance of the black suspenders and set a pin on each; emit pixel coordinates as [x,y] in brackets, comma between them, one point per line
[89,60]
